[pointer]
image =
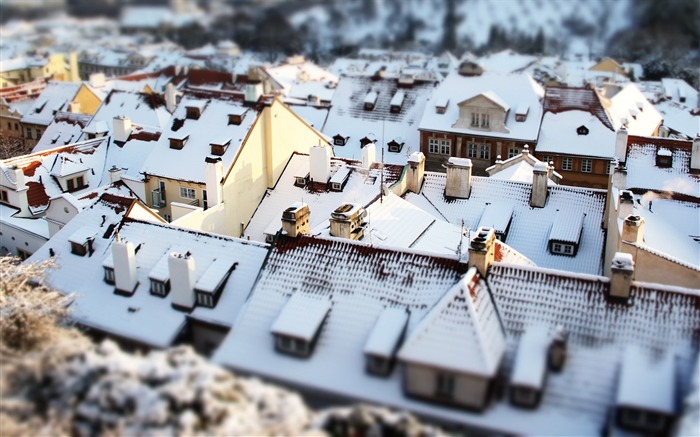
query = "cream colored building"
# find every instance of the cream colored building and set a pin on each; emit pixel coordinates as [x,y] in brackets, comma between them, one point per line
[59,66]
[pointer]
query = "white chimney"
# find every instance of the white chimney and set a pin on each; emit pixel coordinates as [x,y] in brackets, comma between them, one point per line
[74,107]
[619,177]
[625,205]
[253,91]
[18,174]
[320,162]
[695,155]
[121,128]
[415,171]
[115,174]
[459,178]
[124,257]
[213,174]
[621,144]
[170,98]
[296,220]
[482,250]
[97,80]
[633,229]
[182,279]
[369,155]
[621,273]
[538,197]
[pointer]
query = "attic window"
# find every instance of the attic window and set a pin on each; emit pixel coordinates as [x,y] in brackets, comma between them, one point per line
[193,112]
[582,130]
[364,141]
[664,158]
[301,181]
[396,102]
[209,287]
[395,146]
[160,288]
[521,113]
[109,275]
[219,148]
[340,178]
[81,242]
[384,340]
[178,143]
[370,100]
[298,325]
[339,140]
[566,233]
[4,198]
[235,118]
[441,105]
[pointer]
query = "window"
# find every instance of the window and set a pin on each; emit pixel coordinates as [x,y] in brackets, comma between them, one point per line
[339,140]
[523,396]
[563,249]
[433,145]
[23,254]
[446,147]
[586,165]
[4,196]
[109,275]
[205,299]
[608,167]
[187,193]
[378,365]
[291,345]
[29,133]
[475,119]
[567,164]
[160,288]
[38,134]
[642,419]
[79,249]
[513,151]
[445,385]
[485,151]
[472,150]
[484,120]
[70,184]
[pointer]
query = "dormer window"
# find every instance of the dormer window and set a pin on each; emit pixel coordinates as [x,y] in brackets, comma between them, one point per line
[299,324]
[178,143]
[160,288]
[384,340]
[339,140]
[370,100]
[521,113]
[364,141]
[4,198]
[301,181]
[75,183]
[340,178]
[664,158]
[193,112]
[109,275]
[160,278]
[209,287]
[395,146]
[441,105]
[396,102]
[218,148]
[566,233]
[81,242]
[235,118]
[582,130]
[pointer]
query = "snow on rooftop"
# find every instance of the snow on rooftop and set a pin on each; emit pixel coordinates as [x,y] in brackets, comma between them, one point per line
[215,274]
[530,362]
[55,97]
[647,119]
[386,333]
[302,316]
[559,135]
[65,166]
[643,173]
[567,226]
[647,383]
[530,227]
[136,106]
[496,216]
[506,90]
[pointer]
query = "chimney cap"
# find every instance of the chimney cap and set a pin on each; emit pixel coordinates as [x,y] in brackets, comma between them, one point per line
[212,160]
[540,167]
[416,157]
[623,261]
[459,162]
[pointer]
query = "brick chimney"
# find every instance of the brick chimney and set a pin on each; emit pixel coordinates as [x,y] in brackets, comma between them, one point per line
[622,271]
[320,164]
[482,250]
[415,171]
[695,155]
[213,174]
[459,178]
[625,205]
[182,279]
[121,129]
[540,173]
[621,144]
[348,221]
[369,155]
[124,258]
[296,220]
[633,229]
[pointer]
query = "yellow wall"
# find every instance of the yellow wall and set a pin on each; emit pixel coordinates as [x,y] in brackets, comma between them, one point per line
[608,64]
[172,193]
[88,100]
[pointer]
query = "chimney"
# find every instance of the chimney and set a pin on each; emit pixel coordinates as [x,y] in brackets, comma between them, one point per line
[415,171]
[170,98]
[556,355]
[482,250]
[121,129]
[633,229]
[253,90]
[97,80]
[538,197]
[182,279]
[213,173]
[369,155]
[124,256]
[74,107]
[115,174]
[18,174]
[625,204]
[619,177]
[695,155]
[320,162]
[348,221]
[622,271]
[459,178]
[621,145]
[296,220]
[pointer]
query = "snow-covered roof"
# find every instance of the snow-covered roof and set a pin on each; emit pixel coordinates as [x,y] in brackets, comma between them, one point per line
[530,361]
[302,316]
[519,168]
[558,134]
[65,129]
[56,97]
[511,90]
[530,227]
[188,163]
[387,332]
[143,317]
[142,109]
[215,274]
[679,91]
[497,216]
[313,115]
[465,319]
[629,107]
[643,173]
[567,226]
[647,383]
[348,117]
[679,118]
[303,79]
[362,186]
[506,61]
